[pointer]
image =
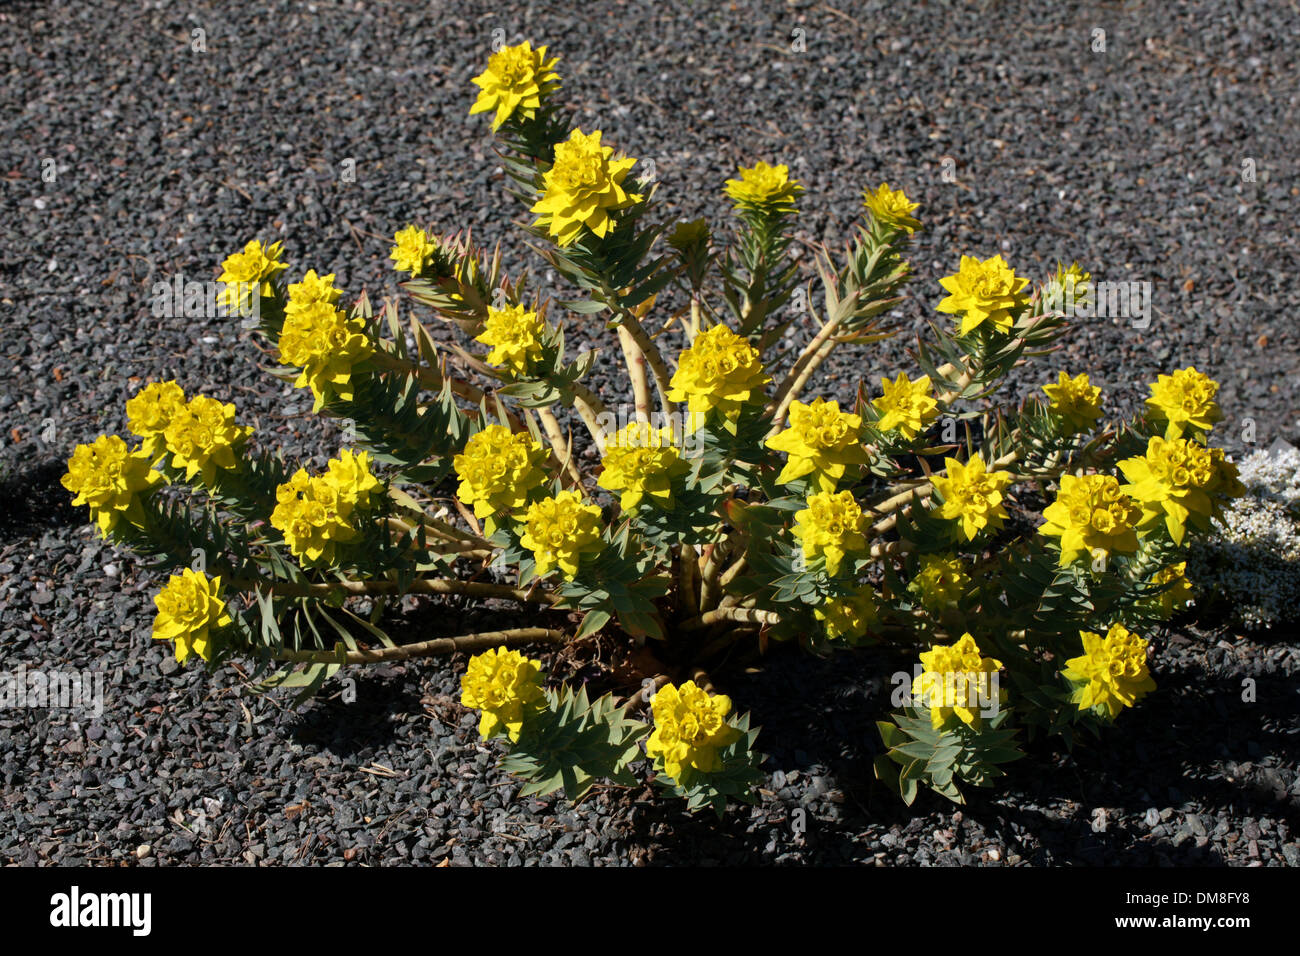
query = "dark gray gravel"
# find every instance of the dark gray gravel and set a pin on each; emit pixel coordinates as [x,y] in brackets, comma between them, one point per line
[165,159]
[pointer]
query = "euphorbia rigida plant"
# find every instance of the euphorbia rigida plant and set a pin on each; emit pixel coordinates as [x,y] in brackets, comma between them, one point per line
[727,506]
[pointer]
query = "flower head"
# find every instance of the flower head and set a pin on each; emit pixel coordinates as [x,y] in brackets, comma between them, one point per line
[983,291]
[848,618]
[250,271]
[498,471]
[1071,286]
[1092,517]
[1075,400]
[582,189]
[190,608]
[720,372]
[822,442]
[1180,481]
[890,207]
[1184,401]
[763,187]
[515,335]
[324,343]
[1111,674]
[1177,593]
[906,406]
[957,680]
[312,289]
[972,495]
[412,248]
[109,477]
[149,413]
[940,582]
[516,81]
[640,462]
[832,525]
[314,512]
[202,436]
[559,531]
[506,686]
[690,729]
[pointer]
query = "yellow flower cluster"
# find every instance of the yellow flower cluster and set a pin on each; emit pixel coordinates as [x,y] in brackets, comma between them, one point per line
[498,471]
[150,411]
[560,531]
[582,189]
[1184,401]
[249,270]
[849,619]
[202,436]
[505,685]
[412,249]
[516,80]
[890,207]
[515,336]
[957,679]
[1112,671]
[190,608]
[832,525]
[641,461]
[1180,481]
[983,291]
[821,442]
[1179,593]
[720,372]
[906,406]
[1075,400]
[1092,517]
[320,339]
[940,582]
[764,187]
[108,477]
[972,495]
[314,512]
[690,729]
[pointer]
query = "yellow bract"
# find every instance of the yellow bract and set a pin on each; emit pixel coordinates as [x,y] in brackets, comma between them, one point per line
[109,477]
[940,582]
[1092,517]
[516,80]
[190,608]
[906,406]
[720,372]
[149,413]
[690,729]
[314,512]
[1185,402]
[1180,481]
[832,525]
[1178,594]
[1112,671]
[582,188]
[505,685]
[822,442]
[1076,400]
[559,531]
[412,248]
[958,680]
[498,471]
[515,335]
[641,461]
[972,495]
[983,291]
[764,187]
[248,271]
[202,436]
[849,618]
[321,340]
[891,207]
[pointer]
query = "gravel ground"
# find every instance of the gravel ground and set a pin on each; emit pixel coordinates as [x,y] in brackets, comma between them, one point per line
[130,158]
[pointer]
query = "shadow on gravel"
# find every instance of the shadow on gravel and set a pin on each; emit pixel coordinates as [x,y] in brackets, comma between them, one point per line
[383,697]
[32,501]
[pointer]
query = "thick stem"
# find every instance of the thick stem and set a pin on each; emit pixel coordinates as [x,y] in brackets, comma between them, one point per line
[467,643]
[740,614]
[636,362]
[590,409]
[561,448]
[481,589]
[809,359]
